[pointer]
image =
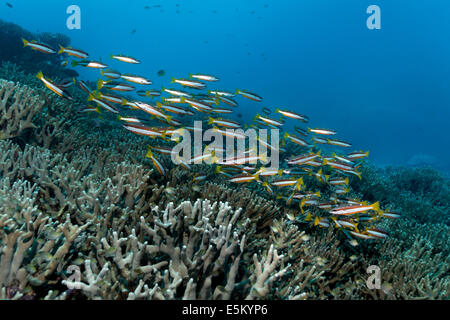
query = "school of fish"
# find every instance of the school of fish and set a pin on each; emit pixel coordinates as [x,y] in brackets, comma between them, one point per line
[326,206]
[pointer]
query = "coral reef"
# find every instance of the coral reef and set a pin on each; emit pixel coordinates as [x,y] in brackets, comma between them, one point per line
[85,216]
[62,213]
[18,106]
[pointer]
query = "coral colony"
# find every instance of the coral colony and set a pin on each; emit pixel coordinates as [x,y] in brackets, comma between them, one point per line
[96,204]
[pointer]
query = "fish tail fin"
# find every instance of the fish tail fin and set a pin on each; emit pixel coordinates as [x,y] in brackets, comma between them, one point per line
[91,97]
[367,154]
[316,221]
[40,75]
[61,49]
[172,80]
[286,135]
[74,63]
[100,84]
[102,72]
[25,42]
[96,94]
[210,120]
[299,184]
[98,110]
[302,204]
[376,206]
[149,153]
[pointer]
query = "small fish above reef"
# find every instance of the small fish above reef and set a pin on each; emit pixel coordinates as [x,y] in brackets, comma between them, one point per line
[136,79]
[89,64]
[105,105]
[114,86]
[73,52]
[84,87]
[149,93]
[161,73]
[53,87]
[222,93]
[111,74]
[228,101]
[38,46]
[292,115]
[270,121]
[224,123]
[154,111]
[350,210]
[203,77]
[249,95]
[189,83]
[143,130]
[158,165]
[125,59]
[322,131]
[67,83]
[89,109]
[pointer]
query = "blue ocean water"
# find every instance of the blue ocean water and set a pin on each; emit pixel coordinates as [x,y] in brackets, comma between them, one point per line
[385,90]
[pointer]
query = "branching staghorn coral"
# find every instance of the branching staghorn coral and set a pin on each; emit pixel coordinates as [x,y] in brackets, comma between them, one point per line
[18,106]
[192,251]
[77,184]
[187,247]
[415,273]
[263,277]
[33,246]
